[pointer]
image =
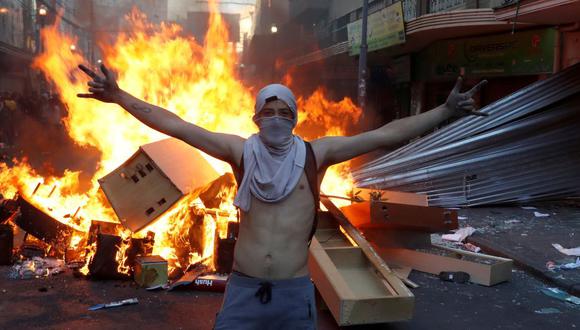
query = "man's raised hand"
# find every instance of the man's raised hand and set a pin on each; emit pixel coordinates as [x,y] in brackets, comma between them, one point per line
[462,104]
[104,89]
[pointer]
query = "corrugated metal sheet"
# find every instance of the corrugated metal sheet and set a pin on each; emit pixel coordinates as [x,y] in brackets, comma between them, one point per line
[527,149]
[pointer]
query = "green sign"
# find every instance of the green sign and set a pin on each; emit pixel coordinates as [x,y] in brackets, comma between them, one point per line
[385,28]
[526,52]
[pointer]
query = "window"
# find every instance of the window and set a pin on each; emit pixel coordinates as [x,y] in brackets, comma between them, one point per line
[149,167]
[134,178]
[161,201]
[149,211]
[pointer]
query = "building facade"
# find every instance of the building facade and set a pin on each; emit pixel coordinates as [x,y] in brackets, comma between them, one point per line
[20,25]
[511,43]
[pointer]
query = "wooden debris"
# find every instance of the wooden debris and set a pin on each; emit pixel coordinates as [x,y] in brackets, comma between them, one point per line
[483,269]
[356,284]
[44,227]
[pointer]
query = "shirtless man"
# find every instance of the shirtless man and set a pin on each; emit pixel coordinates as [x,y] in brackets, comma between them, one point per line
[270,287]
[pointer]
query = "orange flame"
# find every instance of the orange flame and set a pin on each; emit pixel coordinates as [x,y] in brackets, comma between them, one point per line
[198,83]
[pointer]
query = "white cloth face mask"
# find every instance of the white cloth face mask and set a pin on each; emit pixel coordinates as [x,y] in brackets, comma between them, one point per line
[276,132]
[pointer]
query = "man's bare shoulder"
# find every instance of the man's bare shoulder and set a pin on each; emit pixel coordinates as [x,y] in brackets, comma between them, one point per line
[236,144]
[320,147]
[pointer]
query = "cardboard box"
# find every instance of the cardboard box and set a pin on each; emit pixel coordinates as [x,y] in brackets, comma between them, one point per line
[154,179]
[150,271]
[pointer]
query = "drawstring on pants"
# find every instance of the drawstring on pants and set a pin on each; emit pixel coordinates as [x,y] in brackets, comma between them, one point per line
[264,293]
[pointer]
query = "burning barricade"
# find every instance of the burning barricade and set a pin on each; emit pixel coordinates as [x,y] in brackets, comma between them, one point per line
[190,228]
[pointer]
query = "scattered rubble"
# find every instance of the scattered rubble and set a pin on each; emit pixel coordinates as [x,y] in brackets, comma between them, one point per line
[541,215]
[560,295]
[548,311]
[567,266]
[569,252]
[460,234]
[36,268]
[132,301]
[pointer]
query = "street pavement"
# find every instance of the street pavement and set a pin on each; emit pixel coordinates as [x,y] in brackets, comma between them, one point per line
[61,302]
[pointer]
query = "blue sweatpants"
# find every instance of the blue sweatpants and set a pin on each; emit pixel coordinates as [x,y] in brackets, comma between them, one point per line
[255,304]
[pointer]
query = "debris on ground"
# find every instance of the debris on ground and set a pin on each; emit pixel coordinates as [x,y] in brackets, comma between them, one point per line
[459,235]
[548,311]
[132,301]
[150,271]
[541,215]
[569,252]
[571,265]
[456,277]
[472,247]
[561,295]
[567,266]
[37,267]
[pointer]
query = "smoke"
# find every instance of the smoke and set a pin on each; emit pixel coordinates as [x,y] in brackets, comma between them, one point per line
[50,151]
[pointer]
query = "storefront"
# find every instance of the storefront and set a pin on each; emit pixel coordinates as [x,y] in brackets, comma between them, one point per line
[508,61]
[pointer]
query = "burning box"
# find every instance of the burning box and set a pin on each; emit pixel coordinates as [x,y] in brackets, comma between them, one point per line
[154,179]
[150,271]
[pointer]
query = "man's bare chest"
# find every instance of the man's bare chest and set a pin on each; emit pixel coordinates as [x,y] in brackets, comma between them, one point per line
[297,210]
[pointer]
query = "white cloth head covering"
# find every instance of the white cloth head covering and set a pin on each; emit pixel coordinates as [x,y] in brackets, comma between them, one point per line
[276,92]
[271,174]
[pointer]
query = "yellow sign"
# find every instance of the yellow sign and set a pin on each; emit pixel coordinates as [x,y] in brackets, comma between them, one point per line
[385,28]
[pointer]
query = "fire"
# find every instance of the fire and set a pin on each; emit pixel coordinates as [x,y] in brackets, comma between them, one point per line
[122,255]
[196,81]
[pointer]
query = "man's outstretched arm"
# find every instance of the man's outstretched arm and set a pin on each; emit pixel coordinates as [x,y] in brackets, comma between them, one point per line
[222,146]
[332,150]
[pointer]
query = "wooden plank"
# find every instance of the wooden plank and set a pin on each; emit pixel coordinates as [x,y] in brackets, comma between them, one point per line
[483,269]
[396,287]
[378,214]
[44,227]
